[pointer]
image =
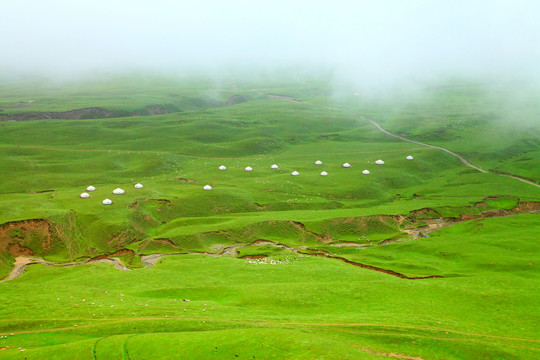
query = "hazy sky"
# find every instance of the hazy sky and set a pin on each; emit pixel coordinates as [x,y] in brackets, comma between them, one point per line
[389,38]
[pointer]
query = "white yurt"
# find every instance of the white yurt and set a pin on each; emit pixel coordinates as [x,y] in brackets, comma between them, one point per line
[222,167]
[295,173]
[379,162]
[318,162]
[274,166]
[346,165]
[107,202]
[366,172]
[207,187]
[118,191]
[410,157]
[90,188]
[248,168]
[324,173]
[139,186]
[85,195]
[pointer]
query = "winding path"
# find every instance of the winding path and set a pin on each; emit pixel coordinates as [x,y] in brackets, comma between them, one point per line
[22,262]
[461,158]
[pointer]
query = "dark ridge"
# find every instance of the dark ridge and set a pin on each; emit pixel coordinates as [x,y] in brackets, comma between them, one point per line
[378,269]
[236,99]
[259,256]
[90,113]
[121,252]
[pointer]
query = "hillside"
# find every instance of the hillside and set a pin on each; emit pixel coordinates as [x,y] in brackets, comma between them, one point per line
[423,258]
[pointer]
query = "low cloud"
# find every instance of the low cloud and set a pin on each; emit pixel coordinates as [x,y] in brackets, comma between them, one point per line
[378,43]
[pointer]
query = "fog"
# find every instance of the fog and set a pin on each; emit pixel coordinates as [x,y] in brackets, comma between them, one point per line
[368,42]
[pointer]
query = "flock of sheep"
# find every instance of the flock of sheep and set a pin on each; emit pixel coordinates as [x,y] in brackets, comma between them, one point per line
[119,191]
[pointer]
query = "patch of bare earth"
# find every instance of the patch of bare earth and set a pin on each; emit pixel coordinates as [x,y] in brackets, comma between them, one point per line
[14,236]
[390,354]
[185,180]
[260,256]
[433,224]
[121,252]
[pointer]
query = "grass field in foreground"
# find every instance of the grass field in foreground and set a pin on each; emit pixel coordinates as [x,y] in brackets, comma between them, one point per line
[483,307]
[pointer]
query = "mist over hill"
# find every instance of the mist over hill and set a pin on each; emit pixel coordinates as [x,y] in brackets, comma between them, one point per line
[373,44]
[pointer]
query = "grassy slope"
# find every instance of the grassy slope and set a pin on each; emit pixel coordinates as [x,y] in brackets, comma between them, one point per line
[294,307]
[248,300]
[493,125]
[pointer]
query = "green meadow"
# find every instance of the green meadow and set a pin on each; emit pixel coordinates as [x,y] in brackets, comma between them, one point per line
[267,265]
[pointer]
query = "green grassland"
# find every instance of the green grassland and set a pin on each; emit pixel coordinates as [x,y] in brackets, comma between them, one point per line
[483,305]
[493,125]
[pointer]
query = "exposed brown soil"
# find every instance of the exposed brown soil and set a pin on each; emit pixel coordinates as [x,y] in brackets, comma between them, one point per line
[121,252]
[40,191]
[165,241]
[328,136]
[185,180]
[527,206]
[15,236]
[19,250]
[161,201]
[423,212]
[302,227]
[136,204]
[260,256]
[125,237]
[390,354]
[346,244]
[432,224]
[378,269]
[22,262]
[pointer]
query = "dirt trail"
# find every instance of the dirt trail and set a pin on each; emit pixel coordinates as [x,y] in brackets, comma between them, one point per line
[151,260]
[22,262]
[220,250]
[380,128]
[461,158]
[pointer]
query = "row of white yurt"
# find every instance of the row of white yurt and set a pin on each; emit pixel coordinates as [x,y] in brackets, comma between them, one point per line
[318,162]
[117,191]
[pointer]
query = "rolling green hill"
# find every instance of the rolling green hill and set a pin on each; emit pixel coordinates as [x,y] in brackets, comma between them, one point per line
[419,259]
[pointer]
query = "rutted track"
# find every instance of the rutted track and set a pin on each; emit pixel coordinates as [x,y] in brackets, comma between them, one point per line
[22,262]
[383,130]
[461,158]
[151,260]
[414,232]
